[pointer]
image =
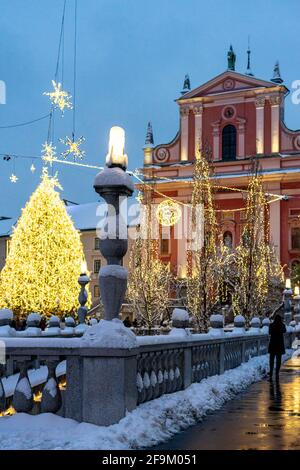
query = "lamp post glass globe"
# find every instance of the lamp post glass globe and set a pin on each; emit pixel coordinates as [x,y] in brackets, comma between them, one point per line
[116,148]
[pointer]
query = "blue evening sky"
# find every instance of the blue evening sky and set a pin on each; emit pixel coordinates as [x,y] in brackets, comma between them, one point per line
[132,58]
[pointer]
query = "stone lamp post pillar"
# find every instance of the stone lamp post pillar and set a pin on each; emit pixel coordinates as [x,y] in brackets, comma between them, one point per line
[107,366]
[114,185]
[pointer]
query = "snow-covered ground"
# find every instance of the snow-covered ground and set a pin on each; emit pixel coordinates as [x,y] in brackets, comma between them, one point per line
[146,426]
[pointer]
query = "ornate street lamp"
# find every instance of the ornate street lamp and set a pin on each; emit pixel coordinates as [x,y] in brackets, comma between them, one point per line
[114,185]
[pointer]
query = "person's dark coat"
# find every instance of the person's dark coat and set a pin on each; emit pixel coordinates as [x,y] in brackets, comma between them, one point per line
[276,332]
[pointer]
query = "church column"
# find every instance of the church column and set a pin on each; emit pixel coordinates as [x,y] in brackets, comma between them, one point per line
[260,118]
[216,140]
[184,127]
[275,112]
[241,137]
[198,111]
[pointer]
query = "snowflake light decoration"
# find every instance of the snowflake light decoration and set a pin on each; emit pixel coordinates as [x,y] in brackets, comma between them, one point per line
[73,147]
[168,213]
[49,153]
[13,178]
[32,168]
[59,98]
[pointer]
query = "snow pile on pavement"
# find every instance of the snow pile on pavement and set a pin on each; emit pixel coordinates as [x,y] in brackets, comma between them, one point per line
[149,424]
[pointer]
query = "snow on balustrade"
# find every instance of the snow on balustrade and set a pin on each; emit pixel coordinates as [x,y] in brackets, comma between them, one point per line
[158,365]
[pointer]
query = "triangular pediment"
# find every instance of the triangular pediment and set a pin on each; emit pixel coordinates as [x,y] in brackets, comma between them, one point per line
[228,81]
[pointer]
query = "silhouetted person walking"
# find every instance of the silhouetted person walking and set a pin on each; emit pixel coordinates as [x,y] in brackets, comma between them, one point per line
[276,345]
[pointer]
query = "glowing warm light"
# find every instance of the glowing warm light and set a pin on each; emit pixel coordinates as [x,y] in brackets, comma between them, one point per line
[59,98]
[42,266]
[32,168]
[13,178]
[116,147]
[168,213]
[83,268]
[73,147]
[8,412]
[37,397]
[182,272]
[48,152]
[297,290]
[287,283]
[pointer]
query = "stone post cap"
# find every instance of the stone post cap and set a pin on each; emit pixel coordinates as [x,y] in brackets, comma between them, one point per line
[113,177]
[53,321]
[69,321]
[266,322]
[6,316]
[216,321]
[239,321]
[33,319]
[180,318]
[255,322]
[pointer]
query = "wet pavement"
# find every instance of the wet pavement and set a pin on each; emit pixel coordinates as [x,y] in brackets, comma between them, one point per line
[266,416]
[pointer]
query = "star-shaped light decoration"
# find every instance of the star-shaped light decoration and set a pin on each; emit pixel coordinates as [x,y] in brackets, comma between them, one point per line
[49,153]
[59,98]
[73,147]
[32,168]
[13,178]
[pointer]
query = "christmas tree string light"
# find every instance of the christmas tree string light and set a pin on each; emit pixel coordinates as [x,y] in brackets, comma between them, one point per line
[44,259]
[203,279]
[149,277]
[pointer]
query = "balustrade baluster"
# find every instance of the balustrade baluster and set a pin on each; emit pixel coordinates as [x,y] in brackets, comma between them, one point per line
[23,395]
[2,392]
[51,397]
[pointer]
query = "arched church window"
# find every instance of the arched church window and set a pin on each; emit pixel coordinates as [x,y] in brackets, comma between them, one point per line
[227,239]
[295,233]
[229,142]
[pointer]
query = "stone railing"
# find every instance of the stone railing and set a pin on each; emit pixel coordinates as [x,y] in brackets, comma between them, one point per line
[98,385]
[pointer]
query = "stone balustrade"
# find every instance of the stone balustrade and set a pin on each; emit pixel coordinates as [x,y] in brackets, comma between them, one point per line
[102,383]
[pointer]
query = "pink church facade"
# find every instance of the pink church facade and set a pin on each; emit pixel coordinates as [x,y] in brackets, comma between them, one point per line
[237,116]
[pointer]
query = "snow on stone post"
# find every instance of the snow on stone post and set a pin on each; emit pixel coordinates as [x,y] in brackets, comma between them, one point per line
[114,185]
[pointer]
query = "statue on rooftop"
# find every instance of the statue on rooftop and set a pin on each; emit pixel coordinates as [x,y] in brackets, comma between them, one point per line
[231,58]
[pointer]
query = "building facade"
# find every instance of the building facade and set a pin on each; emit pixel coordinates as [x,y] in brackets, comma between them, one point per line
[237,116]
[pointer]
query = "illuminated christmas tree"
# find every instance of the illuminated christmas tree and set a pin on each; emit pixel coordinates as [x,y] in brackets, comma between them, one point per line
[44,259]
[203,278]
[149,277]
[258,269]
